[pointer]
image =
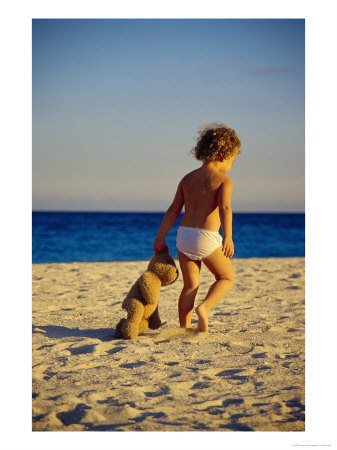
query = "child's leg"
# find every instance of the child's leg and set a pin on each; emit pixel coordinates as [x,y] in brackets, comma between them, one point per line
[221,268]
[191,274]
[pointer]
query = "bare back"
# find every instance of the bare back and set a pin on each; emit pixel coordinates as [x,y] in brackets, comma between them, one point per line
[201,192]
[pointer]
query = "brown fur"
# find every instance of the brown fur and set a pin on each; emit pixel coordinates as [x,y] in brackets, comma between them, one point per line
[141,303]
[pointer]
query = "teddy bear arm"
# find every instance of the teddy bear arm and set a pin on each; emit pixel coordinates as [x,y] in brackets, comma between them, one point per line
[135,309]
[134,293]
[150,285]
[149,310]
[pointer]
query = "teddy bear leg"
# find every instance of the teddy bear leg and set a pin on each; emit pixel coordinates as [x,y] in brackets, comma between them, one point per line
[135,314]
[154,320]
[143,326]
[118,330]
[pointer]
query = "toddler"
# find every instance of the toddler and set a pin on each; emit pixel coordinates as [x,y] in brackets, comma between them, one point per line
[206,194]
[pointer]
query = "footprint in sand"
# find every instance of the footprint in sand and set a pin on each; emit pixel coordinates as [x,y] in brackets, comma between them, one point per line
[38,417]
[224,314]
[259,355]
[84,349]
[163,391]
[115,350]
[46,346]
[262,368]
[115,402]
[297,410]
[175,375]
[239,348]
[232,375]
[217,410]
[132,365]
[40,372]
[294,355]
[235,426]
[148,414]
[201,385]
[74,416]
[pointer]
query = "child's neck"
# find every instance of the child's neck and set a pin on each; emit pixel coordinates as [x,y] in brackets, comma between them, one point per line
[214,166]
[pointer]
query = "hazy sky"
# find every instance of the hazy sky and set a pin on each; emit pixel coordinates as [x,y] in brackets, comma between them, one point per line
[117,104]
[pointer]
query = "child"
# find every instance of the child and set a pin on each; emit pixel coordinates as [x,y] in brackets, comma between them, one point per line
[206,194]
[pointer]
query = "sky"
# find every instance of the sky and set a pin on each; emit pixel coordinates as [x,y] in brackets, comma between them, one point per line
[116,106]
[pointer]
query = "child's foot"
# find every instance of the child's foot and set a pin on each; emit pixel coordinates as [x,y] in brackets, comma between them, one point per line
[202,314]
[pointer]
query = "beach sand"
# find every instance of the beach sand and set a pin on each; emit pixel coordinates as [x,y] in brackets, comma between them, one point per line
[246,373]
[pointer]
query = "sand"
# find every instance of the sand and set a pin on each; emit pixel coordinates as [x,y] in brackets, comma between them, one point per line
[245,374]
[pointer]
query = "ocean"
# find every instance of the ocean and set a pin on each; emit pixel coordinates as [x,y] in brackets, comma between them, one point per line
[63,237]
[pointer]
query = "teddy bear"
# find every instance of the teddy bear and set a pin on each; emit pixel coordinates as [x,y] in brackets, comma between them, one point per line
[141,303]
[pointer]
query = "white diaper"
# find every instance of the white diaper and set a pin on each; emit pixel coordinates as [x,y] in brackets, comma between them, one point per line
[197,243]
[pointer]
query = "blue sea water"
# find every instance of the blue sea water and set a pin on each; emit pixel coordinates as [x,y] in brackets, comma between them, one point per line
[122,236]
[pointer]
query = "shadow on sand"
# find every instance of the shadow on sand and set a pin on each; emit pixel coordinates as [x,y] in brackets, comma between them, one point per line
[53,331]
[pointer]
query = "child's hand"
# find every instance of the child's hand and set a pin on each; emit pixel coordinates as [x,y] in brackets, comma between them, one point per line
[159,244]
[228,247]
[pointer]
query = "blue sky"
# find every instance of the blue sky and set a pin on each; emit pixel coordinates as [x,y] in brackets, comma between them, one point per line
[117,104]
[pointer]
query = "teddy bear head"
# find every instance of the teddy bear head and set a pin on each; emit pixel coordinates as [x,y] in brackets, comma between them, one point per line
[162,264]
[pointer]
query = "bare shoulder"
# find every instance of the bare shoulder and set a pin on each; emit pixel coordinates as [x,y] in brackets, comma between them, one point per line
[226,188]
[225,192]
[190,176]
[227,182]
[227,179]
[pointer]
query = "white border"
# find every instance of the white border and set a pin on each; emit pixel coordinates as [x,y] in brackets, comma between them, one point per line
[321,75]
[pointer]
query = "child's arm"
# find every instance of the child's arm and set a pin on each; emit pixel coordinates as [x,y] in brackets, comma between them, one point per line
[170,217]
[226,216]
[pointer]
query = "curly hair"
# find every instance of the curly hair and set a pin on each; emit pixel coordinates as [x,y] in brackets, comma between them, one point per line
[216,141]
